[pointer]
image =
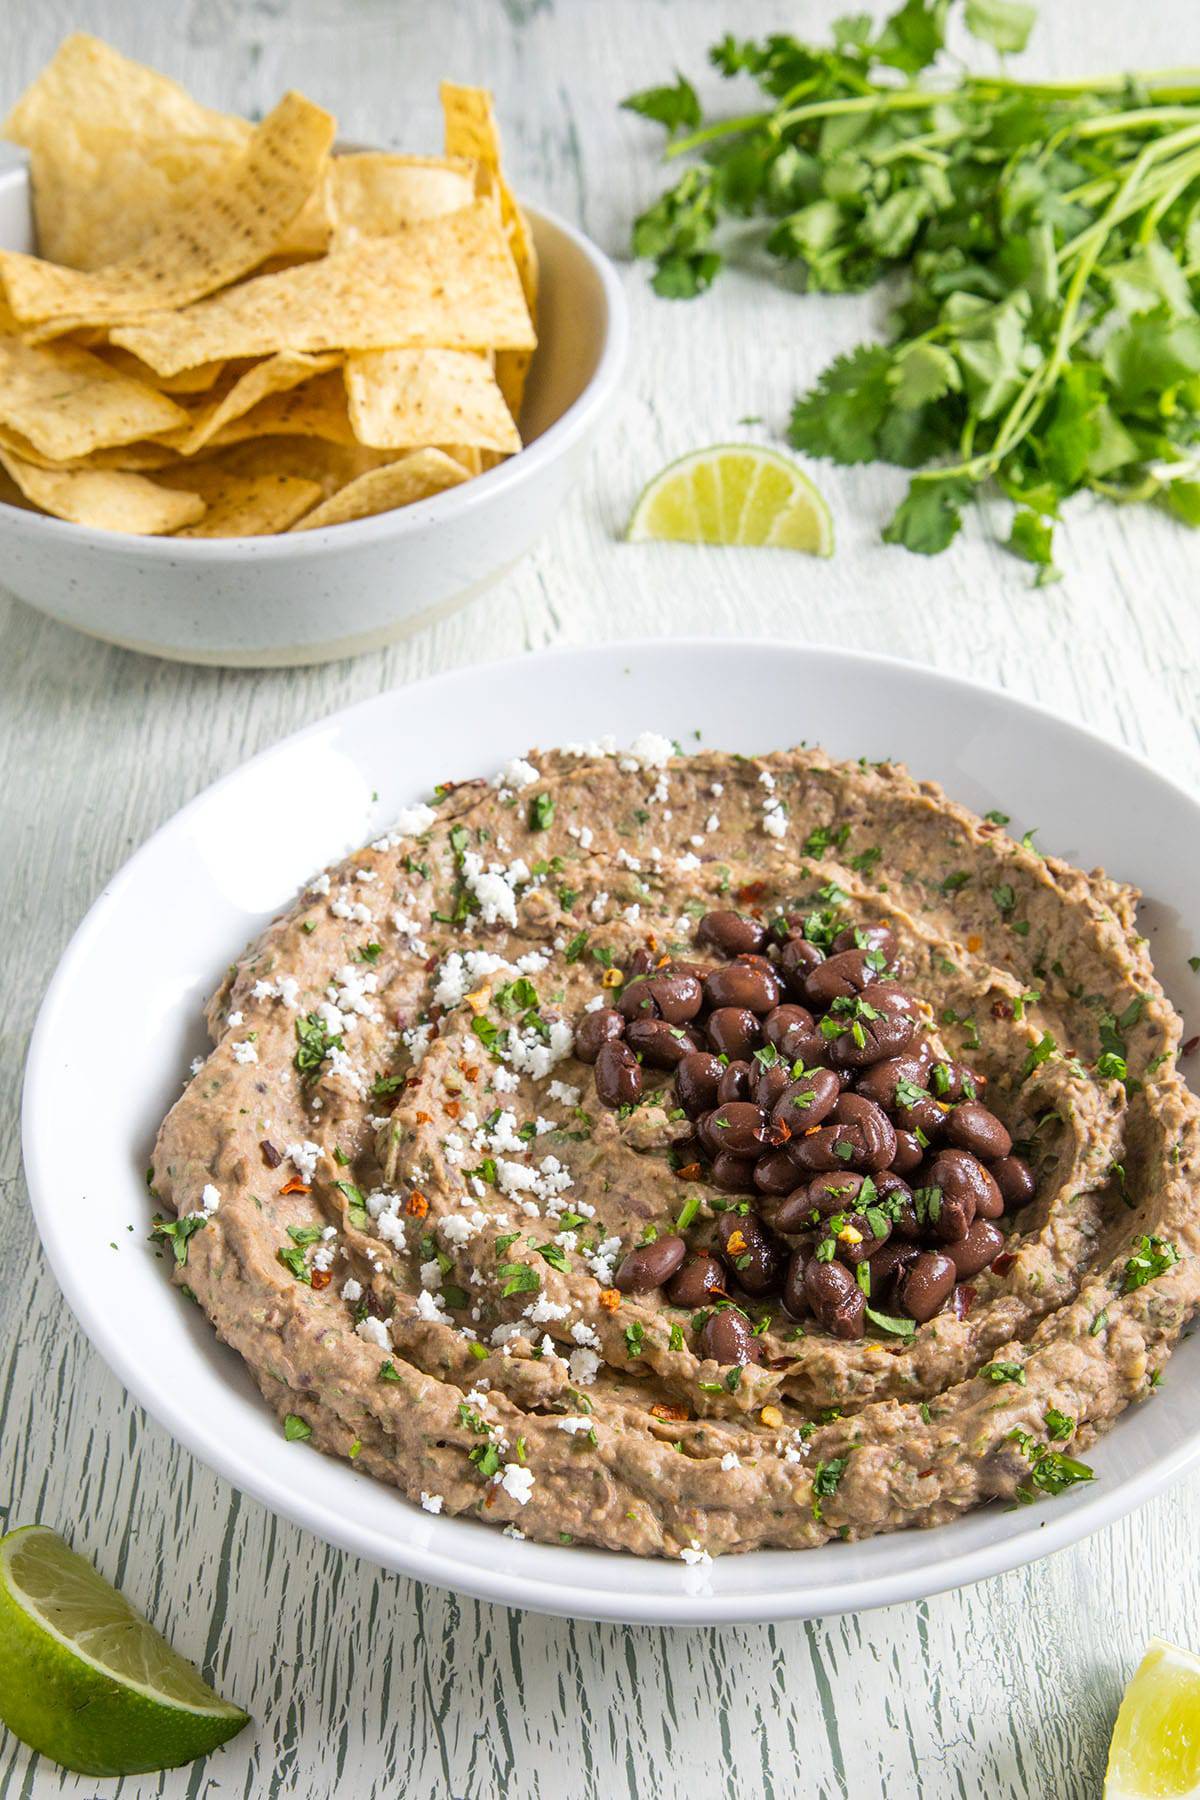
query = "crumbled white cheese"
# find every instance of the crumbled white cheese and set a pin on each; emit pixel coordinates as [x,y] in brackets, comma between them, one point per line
[304,1157]
[245,1052]
[351,1290]
[692,1553]
[516,774]
[432,1503]
[517,1483]
[574,1423]
[731,1460]
[373,1331]
[411,821]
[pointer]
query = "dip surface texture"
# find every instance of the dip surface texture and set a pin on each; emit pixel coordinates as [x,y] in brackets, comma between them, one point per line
[395,1192]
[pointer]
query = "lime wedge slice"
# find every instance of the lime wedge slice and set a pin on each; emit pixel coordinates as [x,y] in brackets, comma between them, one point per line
[734,494]
[1155,1749]
[85,1679]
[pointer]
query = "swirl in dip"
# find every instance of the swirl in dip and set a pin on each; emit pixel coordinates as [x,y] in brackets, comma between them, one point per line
[691,1154]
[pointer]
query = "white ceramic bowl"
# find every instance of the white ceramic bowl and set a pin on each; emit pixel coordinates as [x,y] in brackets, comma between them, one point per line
[157,940]
[317,595]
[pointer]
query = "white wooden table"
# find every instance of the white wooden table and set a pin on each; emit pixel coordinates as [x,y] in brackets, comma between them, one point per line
[362,1683]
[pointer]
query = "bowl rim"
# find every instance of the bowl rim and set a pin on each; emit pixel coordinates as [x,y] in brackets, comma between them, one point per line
[401,521]
[559,1594]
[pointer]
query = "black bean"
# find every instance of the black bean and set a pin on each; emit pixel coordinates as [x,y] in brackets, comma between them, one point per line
[972,1127]
[753,986]
[733,1031]
[728,1338]
[795,1299]
[795,1212]
[732,1174]
[637,1001]
[751,1254]
[1015,1179]
[866,937]
[775,1173]
[838,978]
[957,1172]
[901,1210]
[875,1143]
[807,1101]
[836,1298]
[597,1028]
[770,1085]
[736,1078]
[908,1152]
[731,932]
[650,1265]
[618,1075]
[982,1244]
[696,1280]
[828,1147]
[797,960]
[677,995]
[954,1081]
[879,1082]
[662,1045]
[793,1031]
[924,1289]
[890,1028]
[696,1082]
[887,1266]
[739,1127]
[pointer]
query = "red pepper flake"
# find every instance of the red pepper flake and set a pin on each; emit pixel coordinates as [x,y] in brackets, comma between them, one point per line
[493,1495]
[689,1172]
[922,1473]
[1002,1009]
[610,1299]
[470,1070]
[295,1186]
[321,1278]
[424,1118]
[430,964]
[964,1300]
[452,1109]
[1003,1263]
[270,1155]
[1190,1048]
[666,1410]
[416,1205]
[753,890]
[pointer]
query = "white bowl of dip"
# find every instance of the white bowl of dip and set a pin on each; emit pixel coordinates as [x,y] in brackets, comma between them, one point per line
[318,595]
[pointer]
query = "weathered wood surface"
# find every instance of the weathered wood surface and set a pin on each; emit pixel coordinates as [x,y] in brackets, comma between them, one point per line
[361,1683]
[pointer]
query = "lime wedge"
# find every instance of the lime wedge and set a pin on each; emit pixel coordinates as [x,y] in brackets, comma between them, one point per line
[85,1679]
[734,494]
[1155,1749]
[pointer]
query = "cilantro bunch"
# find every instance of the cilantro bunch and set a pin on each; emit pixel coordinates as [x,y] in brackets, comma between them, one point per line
[1047,241]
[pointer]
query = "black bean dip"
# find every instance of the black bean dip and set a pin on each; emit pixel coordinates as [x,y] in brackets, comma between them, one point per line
[691,1154]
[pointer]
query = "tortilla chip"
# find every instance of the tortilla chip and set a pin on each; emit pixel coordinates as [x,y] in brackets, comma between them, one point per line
[103,498]
[376,194]
[111,144]
[196,380]
[399,483]
[318,409]
[218,235]
[244,505]
[471,130]
[402,399]
[66,402]
[331,466]
[275,375]
[447,283]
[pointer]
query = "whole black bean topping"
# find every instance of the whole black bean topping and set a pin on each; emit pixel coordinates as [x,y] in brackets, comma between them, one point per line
[826,1147]
[618,1075]
[924,1289]
[637,1000]
[807,1101]
[866,937]
[972,1127]
[835,1298]
[909,1153]
[678,996]
[728,1339]
[731,933]
[839,977]
[775,1173]
[696,1281]
[739,1127]
[895,1197]
[959,1174]
[795,1297]
[733,1031]
[953,1081]
[770,1084]
[597,1028]
[732,1174]
[650,1265]
[880,1082]
[750,1253]
[696,1081]
[875,1143]
[981,1246]
[659,1043]
[795,1212]
[736,1080]
[797,960]
[1015,1179]
[888,1264]
[874,1025]
[785,1020]
[752,986]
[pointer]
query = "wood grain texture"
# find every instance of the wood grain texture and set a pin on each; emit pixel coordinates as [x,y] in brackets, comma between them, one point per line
[362,1683]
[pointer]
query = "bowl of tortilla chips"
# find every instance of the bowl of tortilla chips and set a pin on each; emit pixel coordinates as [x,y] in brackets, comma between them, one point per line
[269,398]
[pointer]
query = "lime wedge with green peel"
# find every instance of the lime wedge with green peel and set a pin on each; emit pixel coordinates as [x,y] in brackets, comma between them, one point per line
[85,1679]
[1155,1749]
[734,494]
